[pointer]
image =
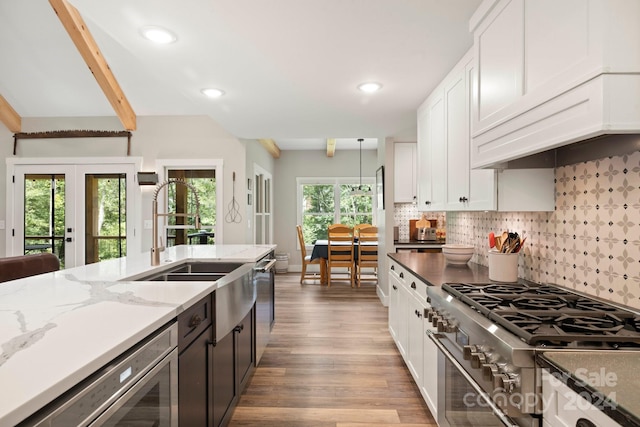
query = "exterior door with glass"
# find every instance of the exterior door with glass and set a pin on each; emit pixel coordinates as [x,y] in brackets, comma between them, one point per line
[77,211]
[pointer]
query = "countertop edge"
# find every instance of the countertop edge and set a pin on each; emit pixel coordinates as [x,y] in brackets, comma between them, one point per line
[125,277]
[599,400]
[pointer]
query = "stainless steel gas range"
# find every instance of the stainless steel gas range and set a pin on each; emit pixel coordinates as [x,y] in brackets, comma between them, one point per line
[488,335]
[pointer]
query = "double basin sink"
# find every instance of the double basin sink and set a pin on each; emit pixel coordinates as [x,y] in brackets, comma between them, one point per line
[235,293]
[194,272]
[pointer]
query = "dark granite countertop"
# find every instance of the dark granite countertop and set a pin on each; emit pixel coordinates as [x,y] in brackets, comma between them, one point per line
[609,377]
[412,242]
[433,269]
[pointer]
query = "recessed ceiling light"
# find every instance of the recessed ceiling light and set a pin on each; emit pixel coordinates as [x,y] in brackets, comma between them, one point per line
[213,93]
[370,87]
[158,34]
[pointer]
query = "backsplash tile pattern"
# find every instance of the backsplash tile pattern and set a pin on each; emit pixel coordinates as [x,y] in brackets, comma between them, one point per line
[591,242]
[403,212]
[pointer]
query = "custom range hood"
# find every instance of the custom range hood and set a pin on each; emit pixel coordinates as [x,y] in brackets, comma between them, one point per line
[590,149]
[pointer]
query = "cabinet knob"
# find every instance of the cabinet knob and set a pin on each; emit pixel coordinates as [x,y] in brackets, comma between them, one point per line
[195,321]
[427,202]
[401,275]
[413,285]
[463,199]
[395,288]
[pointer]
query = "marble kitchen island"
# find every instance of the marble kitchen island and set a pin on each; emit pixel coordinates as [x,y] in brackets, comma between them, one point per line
[58,328]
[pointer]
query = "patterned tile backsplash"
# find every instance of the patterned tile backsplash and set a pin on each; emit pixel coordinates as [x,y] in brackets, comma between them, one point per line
[591,242]
[403,212]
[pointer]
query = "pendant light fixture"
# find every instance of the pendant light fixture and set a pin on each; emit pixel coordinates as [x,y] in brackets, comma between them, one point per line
[359,191]
[360,186]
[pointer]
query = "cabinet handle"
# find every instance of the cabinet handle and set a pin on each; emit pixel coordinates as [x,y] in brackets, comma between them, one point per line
[401,275]
[427,202]
[413,285]
[212,343]
[393,267]
[195,321]
[238,328]
[395,288]
[463,199]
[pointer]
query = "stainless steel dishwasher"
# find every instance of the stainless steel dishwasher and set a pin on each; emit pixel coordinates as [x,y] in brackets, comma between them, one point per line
[139,388]
[263,276]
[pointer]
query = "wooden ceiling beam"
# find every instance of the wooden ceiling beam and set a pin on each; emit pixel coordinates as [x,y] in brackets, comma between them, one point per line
[331,147]
[271,147]
[88,48]
[9,117]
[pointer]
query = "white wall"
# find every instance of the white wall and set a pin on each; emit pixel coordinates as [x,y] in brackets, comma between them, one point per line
[184,137]
[309,163]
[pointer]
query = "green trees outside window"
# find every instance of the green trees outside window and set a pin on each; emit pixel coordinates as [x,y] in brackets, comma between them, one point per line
[325,204]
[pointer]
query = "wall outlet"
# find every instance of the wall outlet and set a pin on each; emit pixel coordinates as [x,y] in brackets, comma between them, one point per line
[148,224]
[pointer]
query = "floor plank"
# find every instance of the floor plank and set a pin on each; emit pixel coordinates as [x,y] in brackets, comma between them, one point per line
[330,363]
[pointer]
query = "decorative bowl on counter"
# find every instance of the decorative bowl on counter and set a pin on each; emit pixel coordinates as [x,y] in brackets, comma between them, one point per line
[457,254]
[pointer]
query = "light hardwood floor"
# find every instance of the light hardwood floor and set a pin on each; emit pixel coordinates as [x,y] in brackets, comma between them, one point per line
[330,363]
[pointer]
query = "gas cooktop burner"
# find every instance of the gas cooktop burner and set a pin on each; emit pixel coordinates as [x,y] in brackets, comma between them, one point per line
[546,315]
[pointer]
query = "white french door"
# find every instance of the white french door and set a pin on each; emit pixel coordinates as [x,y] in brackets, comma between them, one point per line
[82,210]
[262,220]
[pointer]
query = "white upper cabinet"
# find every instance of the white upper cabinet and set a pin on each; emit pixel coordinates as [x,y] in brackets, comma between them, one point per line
[404,172]
[432,154]
[446,181]
[552,72]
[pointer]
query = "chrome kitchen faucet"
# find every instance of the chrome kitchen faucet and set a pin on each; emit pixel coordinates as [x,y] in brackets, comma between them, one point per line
[156,249]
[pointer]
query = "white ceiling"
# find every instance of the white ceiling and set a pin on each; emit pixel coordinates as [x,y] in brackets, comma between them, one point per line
[289,67]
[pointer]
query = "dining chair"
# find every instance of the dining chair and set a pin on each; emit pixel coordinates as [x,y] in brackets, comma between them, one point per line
[306,260]
[356,228]
[340,251]
[367,254]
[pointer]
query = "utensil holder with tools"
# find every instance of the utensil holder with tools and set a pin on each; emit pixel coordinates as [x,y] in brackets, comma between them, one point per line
[503,267]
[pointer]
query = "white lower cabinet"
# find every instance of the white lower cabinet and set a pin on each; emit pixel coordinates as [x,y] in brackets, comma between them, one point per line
[415,314]
[408,326]
[394,302]
[403,322]
[563,407]
[398,301]
[429,385]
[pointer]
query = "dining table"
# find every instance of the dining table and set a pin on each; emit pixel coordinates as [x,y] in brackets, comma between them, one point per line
[321,251]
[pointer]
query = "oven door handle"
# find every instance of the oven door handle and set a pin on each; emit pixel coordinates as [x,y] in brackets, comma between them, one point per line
[497,411]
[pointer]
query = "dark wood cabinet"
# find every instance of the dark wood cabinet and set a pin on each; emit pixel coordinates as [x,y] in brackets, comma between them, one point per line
[216,358]
[194,382]
[245,349]
[224,379]
[233,363]
[195,373]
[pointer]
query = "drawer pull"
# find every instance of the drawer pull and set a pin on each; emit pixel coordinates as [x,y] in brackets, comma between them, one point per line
[195,321]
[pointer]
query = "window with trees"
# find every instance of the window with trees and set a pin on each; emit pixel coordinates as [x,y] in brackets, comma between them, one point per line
[322,202]
[182,200]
